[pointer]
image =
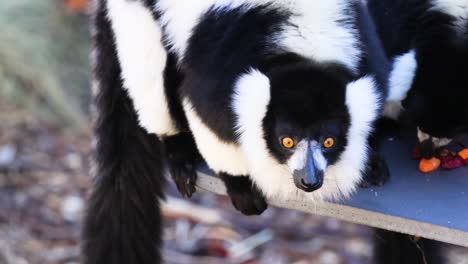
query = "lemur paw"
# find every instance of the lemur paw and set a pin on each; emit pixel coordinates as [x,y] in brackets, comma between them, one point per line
[377,172]
[184,175]
[245,196]
[248,202]
[182,160]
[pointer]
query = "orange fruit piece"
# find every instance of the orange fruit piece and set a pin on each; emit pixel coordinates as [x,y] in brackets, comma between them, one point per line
[463,154]
[428,165]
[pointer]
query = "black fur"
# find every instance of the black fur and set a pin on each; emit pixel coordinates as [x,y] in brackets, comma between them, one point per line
[375,61]
[437,99]
[396,248]
[173,78]
[376,173]
[319,114]
[245,196]
[377,64]
[182,160]
[436,102]
[123,221]
[396,22]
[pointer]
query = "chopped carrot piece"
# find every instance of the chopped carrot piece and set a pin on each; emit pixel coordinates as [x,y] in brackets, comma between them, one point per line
[428,165]
[463,154]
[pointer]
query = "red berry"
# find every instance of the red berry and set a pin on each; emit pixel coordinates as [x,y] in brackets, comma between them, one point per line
[451,162]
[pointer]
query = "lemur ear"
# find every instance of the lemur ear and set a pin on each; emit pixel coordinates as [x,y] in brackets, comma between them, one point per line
[363,101]
[251,99]
[364,106]
[250,105]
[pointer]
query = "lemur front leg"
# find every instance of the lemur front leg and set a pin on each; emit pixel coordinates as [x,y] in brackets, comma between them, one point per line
[377,172]
[244,194]
[182,159]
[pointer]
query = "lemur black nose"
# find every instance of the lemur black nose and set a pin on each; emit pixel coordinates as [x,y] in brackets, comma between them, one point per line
[309,178]
[310,187]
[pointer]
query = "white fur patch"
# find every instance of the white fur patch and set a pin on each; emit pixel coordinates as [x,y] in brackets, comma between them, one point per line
[455,8]
[219,155]
[250,105]
[440,142]
[179,19]
[437,142]
[392,110]
[400,82]
[142,60]
[402,75]
[314,30]
[422,136]
[298,160]
[320,161]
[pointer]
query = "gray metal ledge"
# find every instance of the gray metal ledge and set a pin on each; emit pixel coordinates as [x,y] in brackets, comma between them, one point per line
[431,205]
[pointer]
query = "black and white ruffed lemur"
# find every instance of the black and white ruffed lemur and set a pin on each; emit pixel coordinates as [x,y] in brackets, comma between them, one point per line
[275,96]
[427,40]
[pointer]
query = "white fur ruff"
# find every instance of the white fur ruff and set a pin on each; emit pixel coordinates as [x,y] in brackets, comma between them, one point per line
[142,60]
[219,155]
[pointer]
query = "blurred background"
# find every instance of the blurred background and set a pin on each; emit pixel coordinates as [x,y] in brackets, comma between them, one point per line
[45,139]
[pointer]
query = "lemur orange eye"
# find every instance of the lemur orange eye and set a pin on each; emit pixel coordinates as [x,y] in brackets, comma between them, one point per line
[288,142]
[329,142]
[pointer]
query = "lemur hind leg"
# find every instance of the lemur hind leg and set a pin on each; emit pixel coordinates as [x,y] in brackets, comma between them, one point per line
[182,159]
[244,194]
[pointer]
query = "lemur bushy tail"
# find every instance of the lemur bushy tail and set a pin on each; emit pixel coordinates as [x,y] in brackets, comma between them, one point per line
[123,223]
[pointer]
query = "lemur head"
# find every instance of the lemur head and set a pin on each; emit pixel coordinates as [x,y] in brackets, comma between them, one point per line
[305,127]
[307,120]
